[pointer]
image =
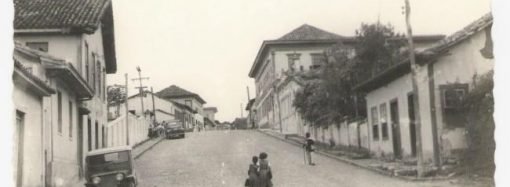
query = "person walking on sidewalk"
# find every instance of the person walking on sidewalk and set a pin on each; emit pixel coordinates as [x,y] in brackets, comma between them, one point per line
[308,148]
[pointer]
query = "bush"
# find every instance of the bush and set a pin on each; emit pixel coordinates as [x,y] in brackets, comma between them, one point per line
[479,107]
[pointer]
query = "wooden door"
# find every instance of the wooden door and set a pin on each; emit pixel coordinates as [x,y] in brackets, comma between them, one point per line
[395,127]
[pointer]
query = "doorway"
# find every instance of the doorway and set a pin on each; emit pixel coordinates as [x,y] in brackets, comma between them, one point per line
[395,128]
[18,150]
[80,145]
[89,134]
[412,123]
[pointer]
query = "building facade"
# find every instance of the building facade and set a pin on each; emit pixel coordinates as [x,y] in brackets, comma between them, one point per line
[82,36]
[445,74]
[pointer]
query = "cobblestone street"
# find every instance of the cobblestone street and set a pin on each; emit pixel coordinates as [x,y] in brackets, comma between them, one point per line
[221,158]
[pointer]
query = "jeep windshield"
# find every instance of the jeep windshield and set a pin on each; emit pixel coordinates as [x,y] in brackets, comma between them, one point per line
[109,162]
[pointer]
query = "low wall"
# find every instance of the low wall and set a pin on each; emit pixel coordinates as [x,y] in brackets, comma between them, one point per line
[116,130]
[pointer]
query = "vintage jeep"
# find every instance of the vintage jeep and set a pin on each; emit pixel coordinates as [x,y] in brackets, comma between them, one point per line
[110,167]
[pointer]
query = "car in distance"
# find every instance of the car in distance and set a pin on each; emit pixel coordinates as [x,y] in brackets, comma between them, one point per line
[110,167]
[174,129]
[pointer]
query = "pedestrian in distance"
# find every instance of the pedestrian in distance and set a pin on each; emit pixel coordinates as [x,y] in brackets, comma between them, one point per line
[265,173]
[308,149]
[253,173]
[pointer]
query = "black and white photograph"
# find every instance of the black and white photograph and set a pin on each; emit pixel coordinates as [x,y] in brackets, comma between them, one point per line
[268,93]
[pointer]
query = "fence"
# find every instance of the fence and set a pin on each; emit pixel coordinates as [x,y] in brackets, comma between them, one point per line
[350,134]
[116,130]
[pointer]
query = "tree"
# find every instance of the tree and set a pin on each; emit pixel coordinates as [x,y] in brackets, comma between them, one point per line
[377,46]
[331,98]
[116,94]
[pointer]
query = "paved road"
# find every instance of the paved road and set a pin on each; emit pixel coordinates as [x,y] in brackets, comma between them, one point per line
[221,158]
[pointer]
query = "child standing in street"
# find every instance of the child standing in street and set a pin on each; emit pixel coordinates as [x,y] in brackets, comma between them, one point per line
[308,147]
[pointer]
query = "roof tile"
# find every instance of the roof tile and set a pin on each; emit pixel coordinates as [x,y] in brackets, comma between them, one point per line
[59,14]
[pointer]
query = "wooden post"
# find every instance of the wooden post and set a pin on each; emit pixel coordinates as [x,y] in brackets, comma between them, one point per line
[127,110]
[153,105]
[419,145]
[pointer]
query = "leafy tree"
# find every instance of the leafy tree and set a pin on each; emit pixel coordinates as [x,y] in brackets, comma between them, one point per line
[331,98]
[377,46]
[116,95]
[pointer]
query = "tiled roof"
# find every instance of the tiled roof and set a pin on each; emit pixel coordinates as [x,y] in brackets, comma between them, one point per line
[83,15]
[173,91]
[426,56]
[308,32]
[462,34]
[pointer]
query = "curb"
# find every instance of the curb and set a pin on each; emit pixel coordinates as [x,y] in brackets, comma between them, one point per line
[149,148]
[331,156]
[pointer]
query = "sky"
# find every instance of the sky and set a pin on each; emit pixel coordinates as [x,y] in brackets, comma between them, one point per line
[208,47]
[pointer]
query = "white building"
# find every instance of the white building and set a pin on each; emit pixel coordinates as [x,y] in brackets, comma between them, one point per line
[81,35]
[445,75]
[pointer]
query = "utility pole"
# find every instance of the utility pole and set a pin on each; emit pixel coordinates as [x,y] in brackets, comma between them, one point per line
[140,78]
[419,146]
[241,110]
[153,105]
[127,109]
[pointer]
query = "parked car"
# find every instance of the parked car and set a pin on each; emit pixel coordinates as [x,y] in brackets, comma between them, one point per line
[110,167]
[174,129]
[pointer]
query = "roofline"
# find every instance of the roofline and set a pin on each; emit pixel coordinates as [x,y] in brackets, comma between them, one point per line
[38,85]
[39,31]
[196,96]
[268,43]
[349,39]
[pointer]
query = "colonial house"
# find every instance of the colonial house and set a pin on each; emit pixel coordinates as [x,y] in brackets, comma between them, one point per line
[185,114]
[298,51]
[190,100]
[164,110]
[446,73]
[30,89]
[291,122]
[81,35]
[209,114]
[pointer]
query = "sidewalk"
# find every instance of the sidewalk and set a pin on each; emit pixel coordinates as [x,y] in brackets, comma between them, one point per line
[141,148]
[392,169]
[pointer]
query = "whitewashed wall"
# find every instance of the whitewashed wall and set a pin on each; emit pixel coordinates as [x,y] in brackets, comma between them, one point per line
[116,131]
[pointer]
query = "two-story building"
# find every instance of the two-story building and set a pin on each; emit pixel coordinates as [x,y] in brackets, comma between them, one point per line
[300,50]
[209,114]
[81,35]
[189,99]
[446,73]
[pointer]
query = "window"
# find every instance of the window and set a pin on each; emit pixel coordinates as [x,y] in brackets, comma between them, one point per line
[451,103]
[92,83]
[70,119]
[318,59]
[97,135]
[41,46]
[292,59]
[104,84]
[59,112]
[99,79]
[87,62]
[375,125]
[189,103]
[384,121]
